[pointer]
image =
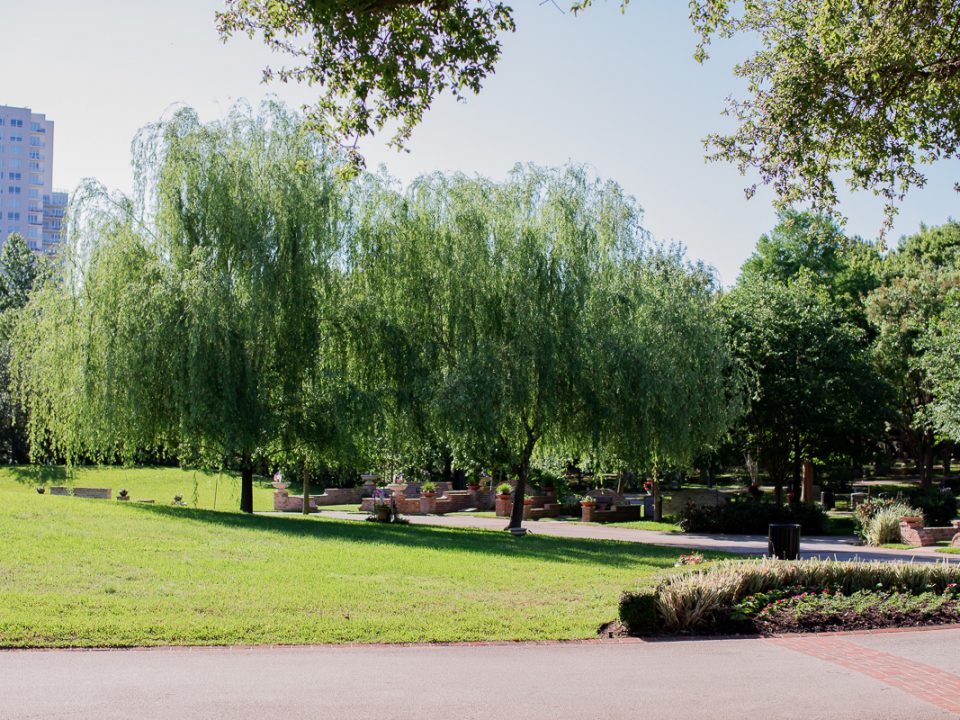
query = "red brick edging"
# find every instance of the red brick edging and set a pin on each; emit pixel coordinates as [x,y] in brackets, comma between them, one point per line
[924,682]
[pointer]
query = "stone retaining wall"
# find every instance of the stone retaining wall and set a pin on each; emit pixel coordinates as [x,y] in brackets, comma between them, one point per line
[912,532]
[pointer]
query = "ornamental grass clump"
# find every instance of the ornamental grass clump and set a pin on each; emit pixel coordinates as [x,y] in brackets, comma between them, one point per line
[698,600]
[884,526]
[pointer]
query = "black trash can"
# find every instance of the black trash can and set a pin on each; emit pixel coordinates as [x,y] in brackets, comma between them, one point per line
[783,541]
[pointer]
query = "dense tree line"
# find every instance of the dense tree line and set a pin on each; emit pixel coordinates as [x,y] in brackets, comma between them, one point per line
[250,307]
[247,307]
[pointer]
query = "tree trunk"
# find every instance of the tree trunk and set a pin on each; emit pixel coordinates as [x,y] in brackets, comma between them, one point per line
[797,471]
[523,473]
[246,485]
[926,467]
[947,457]
[305,474]
[622,483]
[657,500]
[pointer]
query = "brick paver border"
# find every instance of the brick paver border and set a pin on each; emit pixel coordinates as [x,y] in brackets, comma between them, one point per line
[924,682]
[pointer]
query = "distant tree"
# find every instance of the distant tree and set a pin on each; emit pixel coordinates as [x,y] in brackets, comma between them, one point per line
[20,271]
[847,269]
[919,277]
[814,388]
[200,315]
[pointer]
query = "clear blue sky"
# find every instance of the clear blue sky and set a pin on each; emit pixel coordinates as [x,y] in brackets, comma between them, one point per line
[619,93]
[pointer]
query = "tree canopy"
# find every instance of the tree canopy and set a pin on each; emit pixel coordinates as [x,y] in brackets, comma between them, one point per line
[198,322]
[863,90]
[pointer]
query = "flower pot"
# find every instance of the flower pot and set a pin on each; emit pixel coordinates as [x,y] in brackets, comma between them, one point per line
[912,519]
[428,494]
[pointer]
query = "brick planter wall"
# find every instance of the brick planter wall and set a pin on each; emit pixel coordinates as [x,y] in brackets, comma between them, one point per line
[914,533]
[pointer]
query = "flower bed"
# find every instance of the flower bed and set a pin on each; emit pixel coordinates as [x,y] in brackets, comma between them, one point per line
[750,596]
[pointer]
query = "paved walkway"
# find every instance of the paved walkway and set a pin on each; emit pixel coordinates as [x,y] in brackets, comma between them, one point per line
[912,675]
[827,546]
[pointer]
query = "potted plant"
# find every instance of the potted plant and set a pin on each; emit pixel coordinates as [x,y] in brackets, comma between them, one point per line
[588,500]
[123,495]
[428,489]
[504,490]
[473,484]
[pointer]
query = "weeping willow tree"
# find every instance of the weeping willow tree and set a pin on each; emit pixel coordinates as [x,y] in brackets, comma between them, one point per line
[195,318]
[664,384]
[530,313]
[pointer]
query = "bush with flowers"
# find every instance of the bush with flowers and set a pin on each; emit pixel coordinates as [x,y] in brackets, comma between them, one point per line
[777,596]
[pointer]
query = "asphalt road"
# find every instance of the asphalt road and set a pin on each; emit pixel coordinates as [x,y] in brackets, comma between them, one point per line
[713,679]
[826,546]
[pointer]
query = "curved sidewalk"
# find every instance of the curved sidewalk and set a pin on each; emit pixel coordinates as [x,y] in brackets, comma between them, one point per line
[841,547]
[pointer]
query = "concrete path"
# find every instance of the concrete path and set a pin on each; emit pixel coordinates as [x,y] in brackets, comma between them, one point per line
[841,547]
[828,677]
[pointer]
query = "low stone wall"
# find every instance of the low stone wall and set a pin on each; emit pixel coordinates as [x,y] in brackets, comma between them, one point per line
[451,501]
[605,514]
[285,502]
[912,532]
[338,496]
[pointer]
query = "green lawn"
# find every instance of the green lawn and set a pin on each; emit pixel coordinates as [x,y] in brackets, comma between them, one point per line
[950,550]
[205,490]
[353,507]
[79,572]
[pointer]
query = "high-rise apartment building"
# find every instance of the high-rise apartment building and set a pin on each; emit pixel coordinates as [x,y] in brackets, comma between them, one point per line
[28,203]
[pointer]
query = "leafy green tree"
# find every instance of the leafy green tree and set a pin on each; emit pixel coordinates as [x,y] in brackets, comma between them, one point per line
[848,269]
[529,314]
[918,278]
[939,363]
[20,271]
[814,388]
[201,316]
[864,90]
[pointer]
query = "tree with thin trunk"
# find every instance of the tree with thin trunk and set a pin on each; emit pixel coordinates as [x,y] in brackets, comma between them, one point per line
[193,318]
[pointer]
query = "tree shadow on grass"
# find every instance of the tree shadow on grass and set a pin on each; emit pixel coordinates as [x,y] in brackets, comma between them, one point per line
[539,547]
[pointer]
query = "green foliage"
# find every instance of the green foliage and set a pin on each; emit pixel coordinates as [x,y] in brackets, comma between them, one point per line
[199,315]
[750,516]
[883,526]
[378,63]
[814,388]
[912,313]
[862,90]
[697,600]
[638,612]
[533,313]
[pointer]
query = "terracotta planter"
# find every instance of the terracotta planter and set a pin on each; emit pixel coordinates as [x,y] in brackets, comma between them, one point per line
[912,520]
[473,488]
[428,494]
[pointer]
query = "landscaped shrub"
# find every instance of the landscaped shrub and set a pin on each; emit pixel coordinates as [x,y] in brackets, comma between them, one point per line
[697,600]
[878,519]
[750,516]
[884,526]
[939,508]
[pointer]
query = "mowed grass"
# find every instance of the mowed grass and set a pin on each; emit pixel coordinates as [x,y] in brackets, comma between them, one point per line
[77,572]
[205,490]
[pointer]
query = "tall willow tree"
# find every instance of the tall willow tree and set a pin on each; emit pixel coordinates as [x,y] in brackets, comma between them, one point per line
[664,385]
[196,319]
[507,312]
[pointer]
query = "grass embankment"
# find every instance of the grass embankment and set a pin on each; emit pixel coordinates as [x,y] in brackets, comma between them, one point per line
[79,572]
[204,490]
